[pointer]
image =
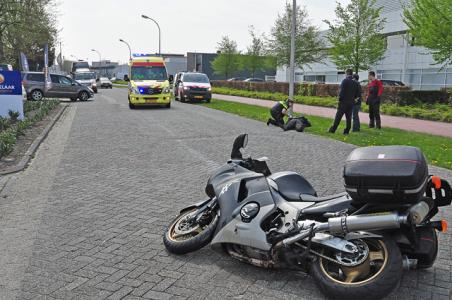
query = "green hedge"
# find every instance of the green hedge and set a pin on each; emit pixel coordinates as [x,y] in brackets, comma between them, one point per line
[424,97]
[433,112]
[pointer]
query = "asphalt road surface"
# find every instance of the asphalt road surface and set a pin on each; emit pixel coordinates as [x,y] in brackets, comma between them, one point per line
[85,220]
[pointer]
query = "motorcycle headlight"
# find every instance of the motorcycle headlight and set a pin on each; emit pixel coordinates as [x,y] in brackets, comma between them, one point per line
[166,90]
[249,211]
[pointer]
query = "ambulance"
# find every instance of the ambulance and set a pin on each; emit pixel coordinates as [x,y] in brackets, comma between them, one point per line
[149,83]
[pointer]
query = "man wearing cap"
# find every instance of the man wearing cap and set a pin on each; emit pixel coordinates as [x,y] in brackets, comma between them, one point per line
[278,111]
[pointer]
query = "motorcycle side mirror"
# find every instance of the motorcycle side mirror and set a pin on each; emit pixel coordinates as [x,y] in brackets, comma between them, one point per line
[240,142]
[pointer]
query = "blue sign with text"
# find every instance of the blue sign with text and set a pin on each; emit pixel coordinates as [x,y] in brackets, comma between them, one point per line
[10,83]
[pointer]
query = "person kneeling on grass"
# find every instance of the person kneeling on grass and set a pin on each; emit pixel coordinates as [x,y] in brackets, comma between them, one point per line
[278,111]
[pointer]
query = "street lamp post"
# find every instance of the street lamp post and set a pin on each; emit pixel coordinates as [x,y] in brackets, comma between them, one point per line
[292,50]
[160,33]
[130,50]
[100,60]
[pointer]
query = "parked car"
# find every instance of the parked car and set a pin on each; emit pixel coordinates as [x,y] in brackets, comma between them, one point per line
[104,82]
[254,80]
[87,78]
[62,87]
[6,67]
[193,86]
[236,79]
[176,83]
[385,82]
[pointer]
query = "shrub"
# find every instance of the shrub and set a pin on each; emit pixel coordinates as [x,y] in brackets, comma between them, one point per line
[4,123]
[14,116]
[7,141]
[9,132]
[424,97]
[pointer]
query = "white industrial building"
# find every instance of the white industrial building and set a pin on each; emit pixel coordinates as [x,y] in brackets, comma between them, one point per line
[404,62]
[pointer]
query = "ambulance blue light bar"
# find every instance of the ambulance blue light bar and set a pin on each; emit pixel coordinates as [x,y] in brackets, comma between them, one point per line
[142,55]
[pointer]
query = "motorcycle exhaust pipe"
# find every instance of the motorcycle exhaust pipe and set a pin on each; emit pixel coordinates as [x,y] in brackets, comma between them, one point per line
[347,224]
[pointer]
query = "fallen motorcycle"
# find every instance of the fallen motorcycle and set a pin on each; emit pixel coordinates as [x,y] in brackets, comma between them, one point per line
[354,244]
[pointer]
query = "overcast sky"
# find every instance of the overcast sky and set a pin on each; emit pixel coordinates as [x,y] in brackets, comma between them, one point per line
[187,25]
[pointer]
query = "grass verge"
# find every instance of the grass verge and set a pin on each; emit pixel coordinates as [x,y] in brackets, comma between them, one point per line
[438,150]
[433,112]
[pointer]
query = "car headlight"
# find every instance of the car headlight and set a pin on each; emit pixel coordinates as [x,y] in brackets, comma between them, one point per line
[134,90]
[186,88]
[209,89]
[166,90]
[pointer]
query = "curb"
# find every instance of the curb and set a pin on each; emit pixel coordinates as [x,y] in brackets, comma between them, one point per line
[23,163]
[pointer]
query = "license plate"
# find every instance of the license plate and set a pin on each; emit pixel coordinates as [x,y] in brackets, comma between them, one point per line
[150,101]
[199,97]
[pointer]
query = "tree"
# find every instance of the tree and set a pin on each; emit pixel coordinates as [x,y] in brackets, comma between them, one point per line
[255,60]
[25,27]
[355,35]
[227,62]
[308,44]
[429,23]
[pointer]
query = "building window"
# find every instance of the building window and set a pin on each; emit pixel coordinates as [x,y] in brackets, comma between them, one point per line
[314,78]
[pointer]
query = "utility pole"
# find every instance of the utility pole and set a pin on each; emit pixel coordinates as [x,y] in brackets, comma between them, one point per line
[292,50]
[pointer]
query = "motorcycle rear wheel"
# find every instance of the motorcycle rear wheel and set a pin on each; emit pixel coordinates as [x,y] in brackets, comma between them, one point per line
[183,237]
[374,278]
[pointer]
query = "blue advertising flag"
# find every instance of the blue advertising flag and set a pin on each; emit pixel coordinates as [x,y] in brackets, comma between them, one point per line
[48,80]
[24,62]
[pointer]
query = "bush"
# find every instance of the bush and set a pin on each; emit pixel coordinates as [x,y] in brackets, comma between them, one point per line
[7,141]
[9,130]
[14,116]
[4,123]
[424,97]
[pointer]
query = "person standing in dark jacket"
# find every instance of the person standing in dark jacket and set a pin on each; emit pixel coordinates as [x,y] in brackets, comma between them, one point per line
[374,91]
[347,95]
[357,106]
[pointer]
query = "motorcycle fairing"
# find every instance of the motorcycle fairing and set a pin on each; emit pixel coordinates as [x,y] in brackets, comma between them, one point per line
[235,187]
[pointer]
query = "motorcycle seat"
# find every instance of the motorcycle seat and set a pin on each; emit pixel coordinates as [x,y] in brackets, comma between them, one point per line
[333,203]
[292,185]
[310,198]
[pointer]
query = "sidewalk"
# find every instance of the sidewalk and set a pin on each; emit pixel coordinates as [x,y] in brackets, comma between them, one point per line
[408,124]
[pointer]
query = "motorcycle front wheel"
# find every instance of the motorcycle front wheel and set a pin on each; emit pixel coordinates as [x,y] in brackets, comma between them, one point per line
[370,274]
[185,234]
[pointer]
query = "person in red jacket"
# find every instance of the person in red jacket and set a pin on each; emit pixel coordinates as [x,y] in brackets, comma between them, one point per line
[374,91]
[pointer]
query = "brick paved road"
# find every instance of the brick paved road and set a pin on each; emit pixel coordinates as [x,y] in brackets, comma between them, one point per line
[85,219]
